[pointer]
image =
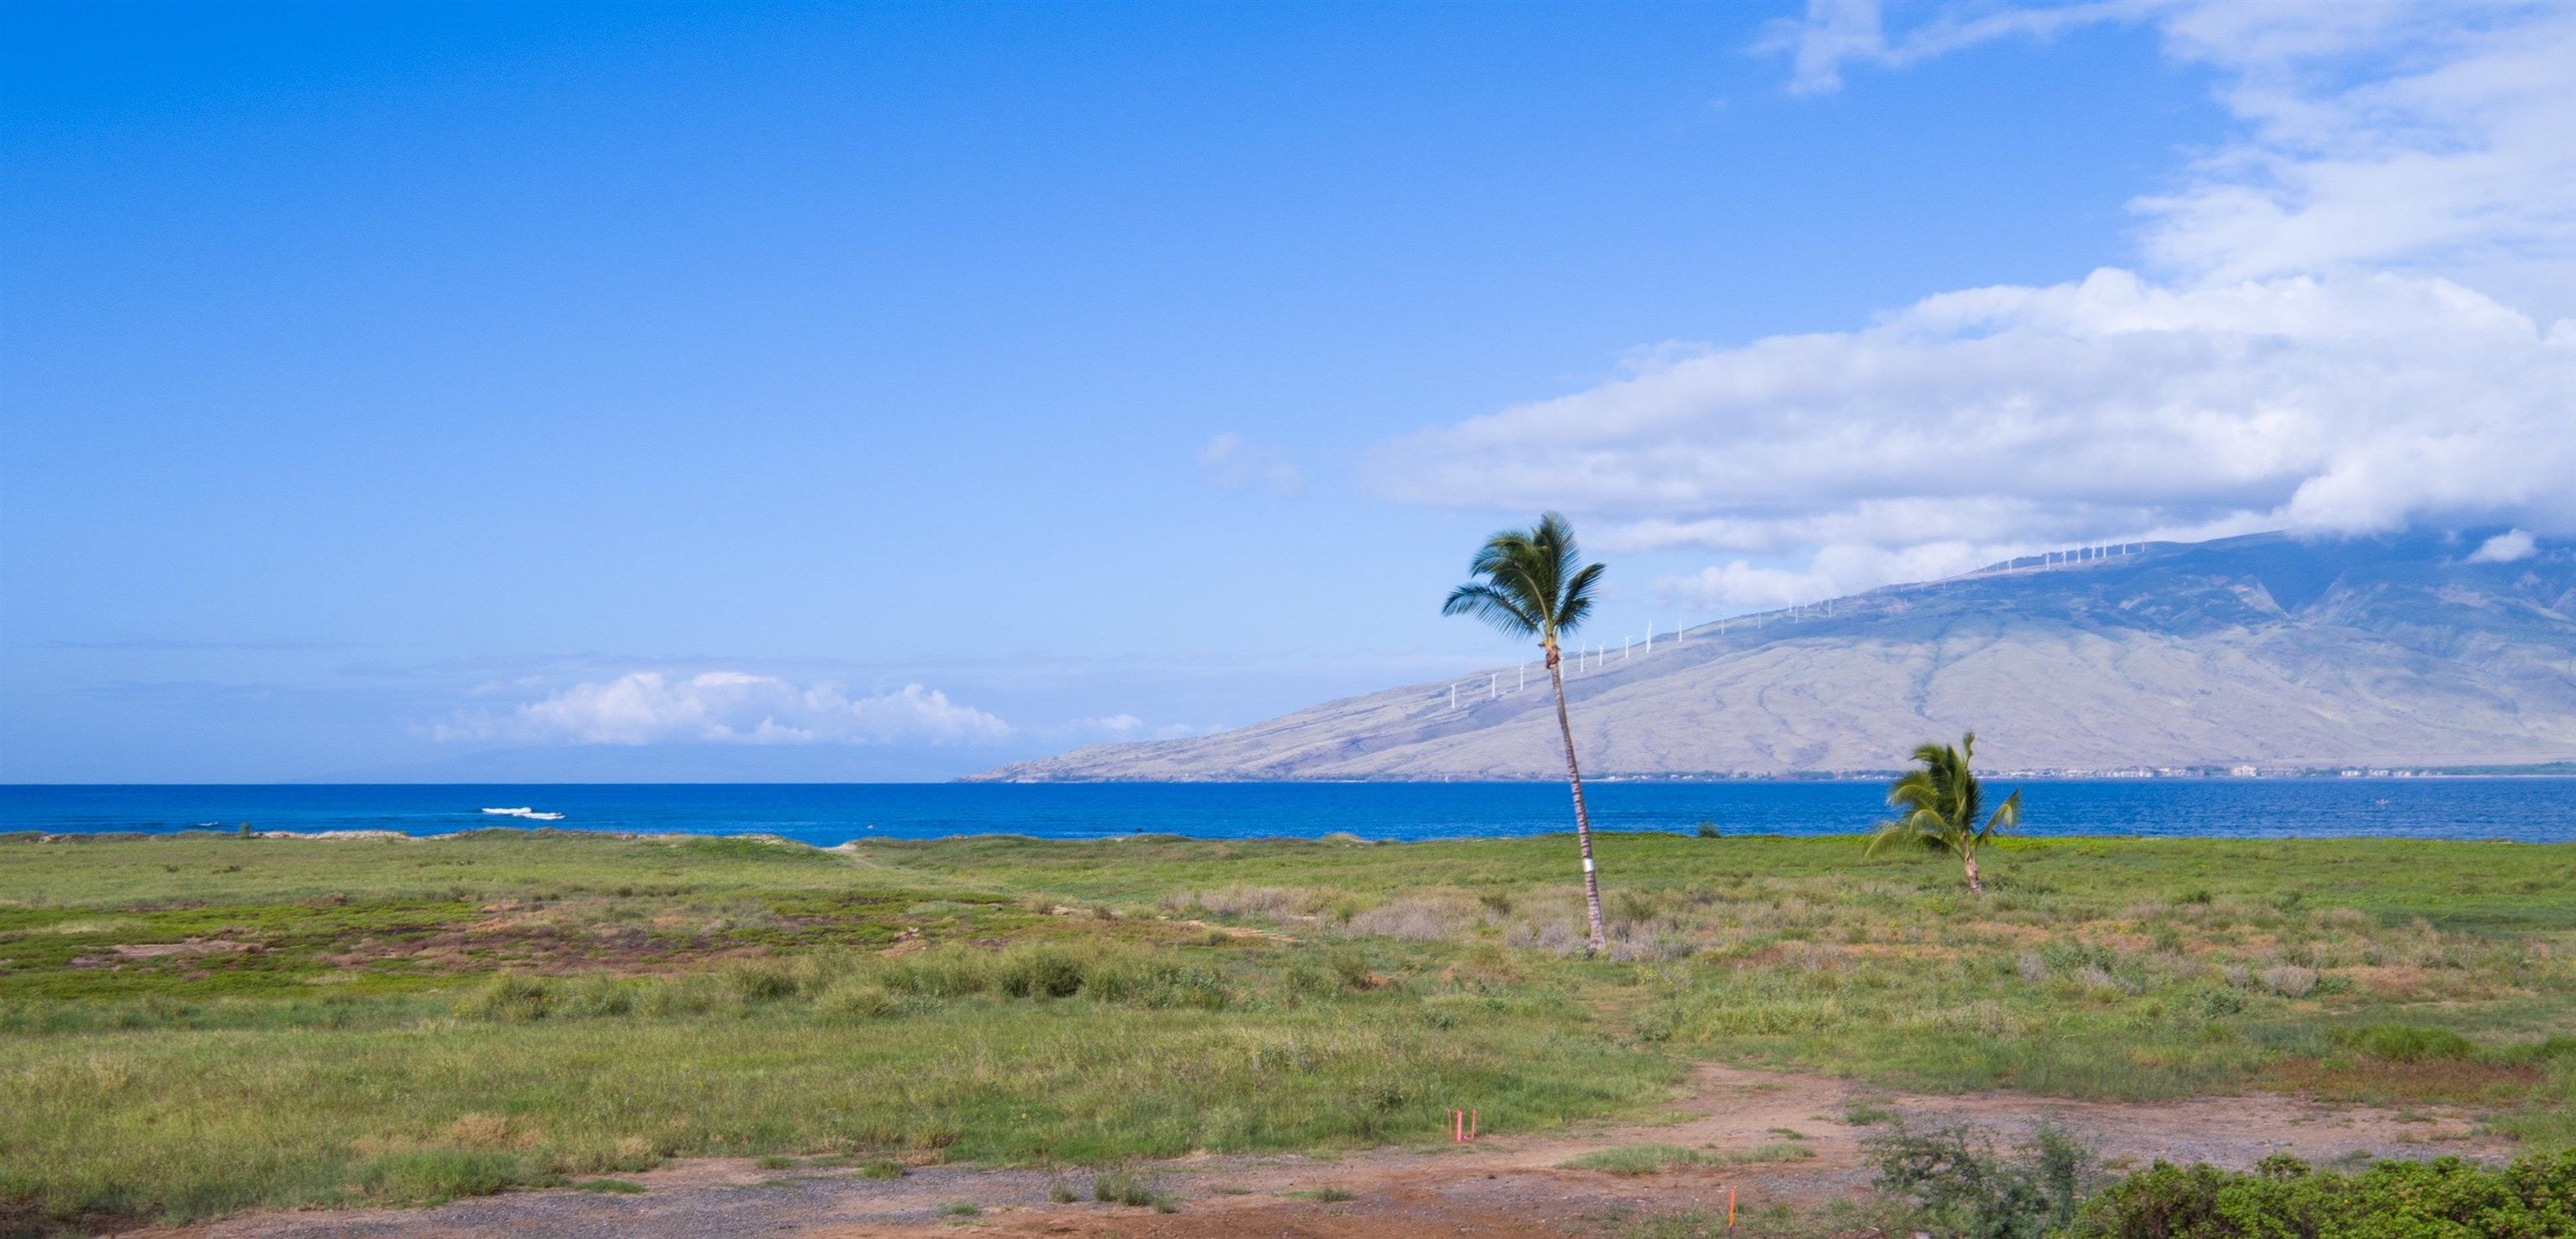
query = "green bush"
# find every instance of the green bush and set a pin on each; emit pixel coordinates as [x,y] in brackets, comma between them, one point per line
[764,981]
[596,996]
[2213,1003]
[510,998]
[1961,1188]
[515,999]
[945,972]
[1038,972]
[1124,1188]
[1155,980]
[2534,1198]
[1126,976]
[856,1000]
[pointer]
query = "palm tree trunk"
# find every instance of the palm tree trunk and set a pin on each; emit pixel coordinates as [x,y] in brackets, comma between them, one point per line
[1600,940]
[1974,886]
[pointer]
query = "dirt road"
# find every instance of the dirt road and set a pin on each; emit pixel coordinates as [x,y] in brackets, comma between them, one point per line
[1504,1185]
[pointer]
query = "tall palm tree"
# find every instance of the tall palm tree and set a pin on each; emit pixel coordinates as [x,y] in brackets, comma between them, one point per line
[1938,807]
[1537,585]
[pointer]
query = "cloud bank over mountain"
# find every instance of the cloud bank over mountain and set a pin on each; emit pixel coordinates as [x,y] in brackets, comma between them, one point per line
[2347,318]
[1965,427]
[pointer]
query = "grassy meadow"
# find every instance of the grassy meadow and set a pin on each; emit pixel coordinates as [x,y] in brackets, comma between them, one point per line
[200,1024]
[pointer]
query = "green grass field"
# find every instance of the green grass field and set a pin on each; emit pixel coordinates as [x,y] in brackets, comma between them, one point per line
[200,1024]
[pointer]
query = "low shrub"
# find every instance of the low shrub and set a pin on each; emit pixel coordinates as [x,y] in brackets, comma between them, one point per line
[1121,975]
[765,981]
[509,998]
[856,1000]
[1038,972]
[1120,1187]
[1961,1187]
[2534,1198]
[513,998]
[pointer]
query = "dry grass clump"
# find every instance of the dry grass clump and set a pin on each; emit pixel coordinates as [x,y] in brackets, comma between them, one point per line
[1278,904]
[1424,918]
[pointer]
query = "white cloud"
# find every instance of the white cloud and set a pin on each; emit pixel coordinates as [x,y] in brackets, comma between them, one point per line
[2423,135]
[730,707]
[2429,137]
[1837,31]
[1834,571]
[1229,463]
[2505,548]
[1978,423]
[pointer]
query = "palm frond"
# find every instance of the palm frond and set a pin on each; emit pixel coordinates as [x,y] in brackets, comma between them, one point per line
[1915,789]
[2007,816]
[1493,606]
[1575,604]
[1887,833]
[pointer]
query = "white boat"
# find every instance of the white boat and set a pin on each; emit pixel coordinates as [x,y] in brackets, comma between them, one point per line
[521,811]
[543,817]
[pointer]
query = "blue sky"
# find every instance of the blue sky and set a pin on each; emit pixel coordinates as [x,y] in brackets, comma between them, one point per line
[885,392]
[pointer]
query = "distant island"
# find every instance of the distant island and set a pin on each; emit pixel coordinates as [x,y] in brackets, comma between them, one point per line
[2260,654]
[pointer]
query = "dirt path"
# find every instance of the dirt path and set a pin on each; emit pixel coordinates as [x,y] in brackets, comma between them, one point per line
[1504,1186]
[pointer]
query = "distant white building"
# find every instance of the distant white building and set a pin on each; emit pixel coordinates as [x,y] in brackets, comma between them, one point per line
[2243,772]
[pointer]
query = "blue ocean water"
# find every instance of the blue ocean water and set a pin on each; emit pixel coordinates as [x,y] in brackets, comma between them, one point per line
[2526,809]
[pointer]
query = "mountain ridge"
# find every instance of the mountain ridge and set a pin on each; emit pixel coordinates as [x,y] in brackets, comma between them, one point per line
[2266,649]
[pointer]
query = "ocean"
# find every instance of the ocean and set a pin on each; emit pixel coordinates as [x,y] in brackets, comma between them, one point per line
[2533,810]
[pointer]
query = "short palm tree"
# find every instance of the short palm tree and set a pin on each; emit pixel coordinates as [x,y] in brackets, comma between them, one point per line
[1537,585]
[1938,805]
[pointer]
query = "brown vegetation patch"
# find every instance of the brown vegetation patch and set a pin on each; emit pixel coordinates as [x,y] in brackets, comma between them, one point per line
[2381,1081]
